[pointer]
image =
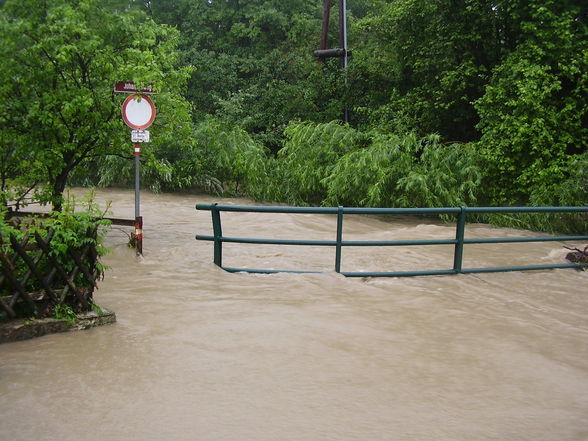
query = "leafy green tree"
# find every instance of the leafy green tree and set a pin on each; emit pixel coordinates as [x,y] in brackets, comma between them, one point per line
[534,112]
[405,171]
[310,153]
[334,164]
[60,60]
[254,62]
[420,65]
[216,157]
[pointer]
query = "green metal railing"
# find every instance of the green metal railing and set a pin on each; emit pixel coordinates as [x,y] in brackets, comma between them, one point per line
[339,243]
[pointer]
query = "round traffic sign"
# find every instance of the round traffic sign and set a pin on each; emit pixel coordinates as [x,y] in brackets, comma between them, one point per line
[138,111]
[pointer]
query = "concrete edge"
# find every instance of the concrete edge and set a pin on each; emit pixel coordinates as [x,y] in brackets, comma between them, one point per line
[24,329]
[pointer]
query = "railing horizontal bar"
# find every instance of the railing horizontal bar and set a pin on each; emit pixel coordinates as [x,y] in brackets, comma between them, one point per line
[327,210]
[204,237]
[352,243]
[411,273]
[279,241]
[120,221]
[267,209]
[524,209]
[399,273]
[358,210]
[113,220]
[346,274]
[525,239]
[500,269]
[270,241]
[440,210]
[376,243]
[267,271]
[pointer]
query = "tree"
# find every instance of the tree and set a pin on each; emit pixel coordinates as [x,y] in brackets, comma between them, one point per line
[534,113]
[60,60]
[510,76]
[254,61]
[420,65]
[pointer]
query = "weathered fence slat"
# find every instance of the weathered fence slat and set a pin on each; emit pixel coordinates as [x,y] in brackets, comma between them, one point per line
[55,285]
[33,266]
[67,278]
[57,267]
[14,257]
[7,308]
[85,271]
[8,271]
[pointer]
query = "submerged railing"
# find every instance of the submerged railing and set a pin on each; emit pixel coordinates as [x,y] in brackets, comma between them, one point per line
[339,243]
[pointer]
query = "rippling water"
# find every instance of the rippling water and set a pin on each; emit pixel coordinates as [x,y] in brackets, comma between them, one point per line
[201,354]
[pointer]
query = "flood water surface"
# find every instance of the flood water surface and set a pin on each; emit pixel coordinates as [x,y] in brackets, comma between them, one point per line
[202,354]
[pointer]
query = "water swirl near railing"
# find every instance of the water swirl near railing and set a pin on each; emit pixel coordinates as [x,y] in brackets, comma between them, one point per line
[202,354]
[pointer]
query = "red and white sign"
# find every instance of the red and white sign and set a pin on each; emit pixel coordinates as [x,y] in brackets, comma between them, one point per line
[129,87]
[138,111]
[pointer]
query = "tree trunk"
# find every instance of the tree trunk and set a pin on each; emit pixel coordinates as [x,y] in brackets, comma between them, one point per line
[58,189]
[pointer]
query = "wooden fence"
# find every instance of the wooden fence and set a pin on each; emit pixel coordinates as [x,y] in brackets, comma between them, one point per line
[33,282]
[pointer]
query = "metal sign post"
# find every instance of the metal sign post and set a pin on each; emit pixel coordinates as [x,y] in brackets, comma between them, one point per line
[138,113]
[138,236]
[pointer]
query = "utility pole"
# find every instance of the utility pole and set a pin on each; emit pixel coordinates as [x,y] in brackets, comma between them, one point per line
[342,52]
[343,44]
[326,16]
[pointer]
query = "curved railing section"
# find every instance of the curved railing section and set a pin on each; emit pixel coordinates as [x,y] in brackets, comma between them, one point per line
[339,243]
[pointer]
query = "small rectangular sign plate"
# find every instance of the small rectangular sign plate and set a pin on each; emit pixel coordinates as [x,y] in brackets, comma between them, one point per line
[129,87]
[140,135]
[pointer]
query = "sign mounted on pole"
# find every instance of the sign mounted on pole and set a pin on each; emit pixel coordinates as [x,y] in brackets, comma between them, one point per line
[129,87]
[140,135]
[138,111]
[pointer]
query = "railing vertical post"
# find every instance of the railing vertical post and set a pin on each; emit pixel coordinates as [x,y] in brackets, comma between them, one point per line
[459,236]
[339,239]
[218,234]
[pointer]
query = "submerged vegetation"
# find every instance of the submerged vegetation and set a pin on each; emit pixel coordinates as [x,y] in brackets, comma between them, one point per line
[476,102]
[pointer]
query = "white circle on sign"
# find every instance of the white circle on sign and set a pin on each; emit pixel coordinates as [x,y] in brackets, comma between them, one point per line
[138,111]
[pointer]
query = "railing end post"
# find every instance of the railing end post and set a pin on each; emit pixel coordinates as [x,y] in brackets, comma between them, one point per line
[459,237]
[218,235]
[338,246]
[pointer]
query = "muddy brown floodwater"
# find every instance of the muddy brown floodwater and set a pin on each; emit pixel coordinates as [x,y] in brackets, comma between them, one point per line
[201,354]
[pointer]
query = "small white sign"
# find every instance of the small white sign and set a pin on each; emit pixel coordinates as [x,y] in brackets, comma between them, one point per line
[140,135]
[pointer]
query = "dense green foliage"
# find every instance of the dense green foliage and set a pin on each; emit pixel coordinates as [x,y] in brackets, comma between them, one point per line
[214,153]
[71,229]
[331,164]
[533,114]
[451,102]
[57,107]
[508,76]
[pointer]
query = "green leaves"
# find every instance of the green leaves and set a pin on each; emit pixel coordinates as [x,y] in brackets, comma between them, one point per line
[534,108]
[59,85]
[309,155]
[451,102]
[405,171]
[332,164]
[72,230]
